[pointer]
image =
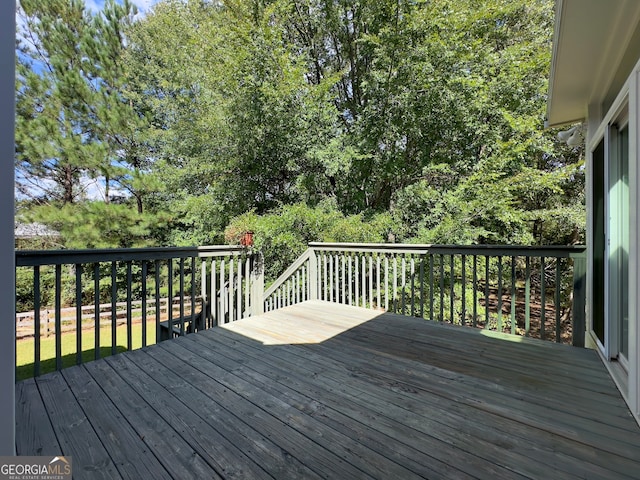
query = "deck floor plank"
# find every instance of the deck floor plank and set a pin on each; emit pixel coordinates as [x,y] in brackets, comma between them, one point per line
[295,393]
[174,453]
[74,431]
[551,394]
[35,435]
[434,410]
[131,455]
[356,453]
[252,405]
[322,390]
[210,431]
[433,453]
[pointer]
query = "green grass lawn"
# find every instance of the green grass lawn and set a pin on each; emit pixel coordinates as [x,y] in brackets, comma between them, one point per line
[25,348]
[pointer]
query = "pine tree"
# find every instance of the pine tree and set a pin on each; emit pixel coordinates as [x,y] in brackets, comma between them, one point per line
[74,127]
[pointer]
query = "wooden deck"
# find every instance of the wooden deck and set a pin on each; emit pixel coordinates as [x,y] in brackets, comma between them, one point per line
[320,390]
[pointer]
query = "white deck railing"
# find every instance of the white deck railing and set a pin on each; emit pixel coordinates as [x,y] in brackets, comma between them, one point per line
[532,291]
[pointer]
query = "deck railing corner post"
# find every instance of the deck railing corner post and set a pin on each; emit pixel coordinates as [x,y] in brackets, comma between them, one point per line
[579,299]
[313,275]
[257,282]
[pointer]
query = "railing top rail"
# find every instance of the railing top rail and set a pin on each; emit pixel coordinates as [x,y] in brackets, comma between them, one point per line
[29,258]
[561,251]
[288,272]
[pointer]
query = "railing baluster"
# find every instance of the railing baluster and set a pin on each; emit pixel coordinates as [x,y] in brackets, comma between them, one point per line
[158,305]
[96,309]
[331,286]
[343,262]
[231,289]
[475,291]
[441,288]
[499,293]
[114,313]
[319,275]
[223,294]
[182,329]
[336,271]
[247,286]
[325,283]
[487,265]
[371,280]
[285,294]
[129,309]
[557,300]
[451,289]
[364,281]
[413,286]
[144,302]
[350,262]
[395,283]
[527,297]
[58,316]
[421,286]
[213,296]
[404,284]
[290,293]
[78,269]
[36,321]
[514,296]
[304,281]
[431,286]
[463,275]
[378,296]
[386,282]
[543,298]
[203,292]
[170,298]
[356,279]
[193,295]
[239,291]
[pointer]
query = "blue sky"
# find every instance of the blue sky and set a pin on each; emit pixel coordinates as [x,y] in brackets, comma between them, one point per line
[143,5]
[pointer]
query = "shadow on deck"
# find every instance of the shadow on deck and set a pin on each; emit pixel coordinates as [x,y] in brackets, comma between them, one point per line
[321,390]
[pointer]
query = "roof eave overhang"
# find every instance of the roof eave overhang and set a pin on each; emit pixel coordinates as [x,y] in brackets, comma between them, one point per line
[590,39]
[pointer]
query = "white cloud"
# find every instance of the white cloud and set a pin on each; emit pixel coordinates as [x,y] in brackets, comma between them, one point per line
[144,5]
[94,189]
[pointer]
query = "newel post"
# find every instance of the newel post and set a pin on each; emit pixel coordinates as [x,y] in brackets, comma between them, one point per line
[257,285]
[579,299]
[313,275]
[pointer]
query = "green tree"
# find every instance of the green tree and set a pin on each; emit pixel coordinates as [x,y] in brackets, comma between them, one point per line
[284,233]
[73,124]
[232,119]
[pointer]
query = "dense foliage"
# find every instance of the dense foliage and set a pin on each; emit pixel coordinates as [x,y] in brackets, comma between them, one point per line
[376,120]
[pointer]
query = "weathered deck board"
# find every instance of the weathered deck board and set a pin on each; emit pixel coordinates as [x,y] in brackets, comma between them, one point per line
[173,452]
[321,390]
[447,409]
[74,431]
[210,430]
[35,432]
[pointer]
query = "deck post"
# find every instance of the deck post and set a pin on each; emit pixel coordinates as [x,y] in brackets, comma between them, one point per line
[313,275]
[579,299]
[7,256]
[257,285]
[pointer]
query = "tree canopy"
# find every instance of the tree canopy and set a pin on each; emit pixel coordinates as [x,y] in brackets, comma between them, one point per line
[416,121]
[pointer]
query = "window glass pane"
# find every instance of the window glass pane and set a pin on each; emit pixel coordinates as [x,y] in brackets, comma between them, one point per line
[598,241]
